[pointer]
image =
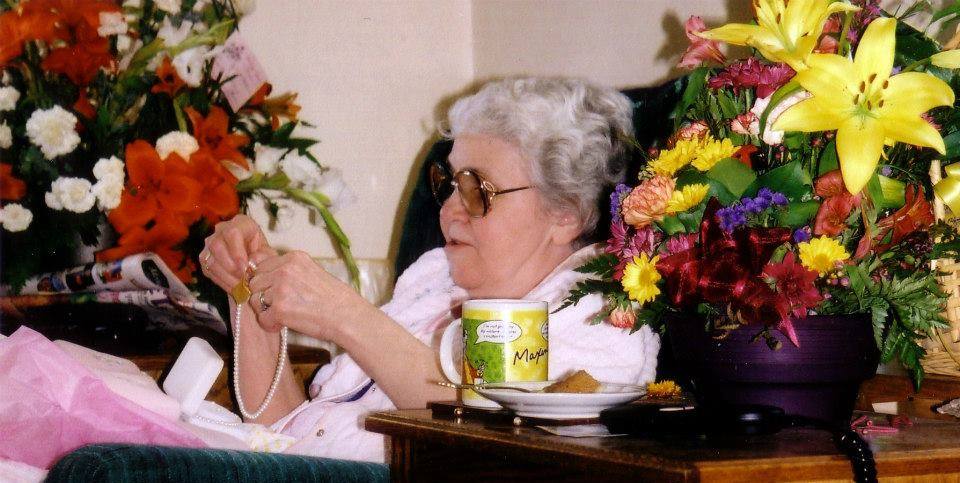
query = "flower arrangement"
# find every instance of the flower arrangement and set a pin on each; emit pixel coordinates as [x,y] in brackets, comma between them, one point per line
[796,182]
[122,112]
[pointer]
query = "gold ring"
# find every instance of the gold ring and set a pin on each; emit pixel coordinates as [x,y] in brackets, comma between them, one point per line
[263,304]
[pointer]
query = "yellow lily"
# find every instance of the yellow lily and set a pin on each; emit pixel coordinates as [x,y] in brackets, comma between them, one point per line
[865,104]
[785,31]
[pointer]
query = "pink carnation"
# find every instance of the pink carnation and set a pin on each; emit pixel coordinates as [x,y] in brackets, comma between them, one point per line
[752,74]
[621,318]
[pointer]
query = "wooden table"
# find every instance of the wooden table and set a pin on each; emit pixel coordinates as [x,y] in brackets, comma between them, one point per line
[428,448]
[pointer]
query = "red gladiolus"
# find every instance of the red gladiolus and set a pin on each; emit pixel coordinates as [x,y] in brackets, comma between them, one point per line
[914,215]
[837,204]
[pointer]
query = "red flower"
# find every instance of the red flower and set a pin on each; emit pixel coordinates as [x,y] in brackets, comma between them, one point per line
[211,133]
[796,283]
[836,206]
[83,105]
[11,188]
[625,245]
[700,49]
[155,187]
[218,196]
[74,22]
[168,81]
[833,213]
[914,215]
[751,73]
[743,154]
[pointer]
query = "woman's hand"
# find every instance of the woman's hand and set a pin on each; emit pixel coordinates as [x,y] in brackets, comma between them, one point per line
[226,252]
[292,290]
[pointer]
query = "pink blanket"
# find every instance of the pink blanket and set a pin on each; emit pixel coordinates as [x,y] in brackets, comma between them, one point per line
[51,405]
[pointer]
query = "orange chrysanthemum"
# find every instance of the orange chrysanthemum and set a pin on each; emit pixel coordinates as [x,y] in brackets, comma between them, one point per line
[11,188]
[168,81]
[211,132]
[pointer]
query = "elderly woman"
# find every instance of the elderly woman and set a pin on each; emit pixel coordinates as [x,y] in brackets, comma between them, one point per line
[531,160]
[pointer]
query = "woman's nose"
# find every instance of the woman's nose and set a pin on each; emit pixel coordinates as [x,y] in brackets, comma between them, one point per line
[452,208]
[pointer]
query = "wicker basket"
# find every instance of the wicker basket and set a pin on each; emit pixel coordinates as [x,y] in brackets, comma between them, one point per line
[943,347]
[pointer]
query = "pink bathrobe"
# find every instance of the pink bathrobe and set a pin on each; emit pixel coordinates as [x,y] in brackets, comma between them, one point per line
[331,424]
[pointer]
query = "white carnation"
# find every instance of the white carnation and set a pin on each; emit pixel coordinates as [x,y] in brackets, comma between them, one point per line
[771,136]
[267,158]
[73,194]
[169,6]
[6,136]
[15,217]
[108,191]
[111,23]
[171,35]
[52,200]
[302,171]
[9,96]
[108,167]
[5,77]
[189,64]
[244,7]
[177,142]
[133,3]
[54,131]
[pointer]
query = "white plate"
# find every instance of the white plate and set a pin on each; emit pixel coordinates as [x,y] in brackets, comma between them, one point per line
[561,405]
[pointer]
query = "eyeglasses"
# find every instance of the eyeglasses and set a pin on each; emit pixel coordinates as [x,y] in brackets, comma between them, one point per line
[476,193]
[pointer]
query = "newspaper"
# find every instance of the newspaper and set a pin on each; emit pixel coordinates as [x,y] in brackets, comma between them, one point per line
[143,280]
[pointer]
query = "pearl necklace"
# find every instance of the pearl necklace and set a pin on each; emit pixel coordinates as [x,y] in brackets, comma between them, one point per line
[281,360]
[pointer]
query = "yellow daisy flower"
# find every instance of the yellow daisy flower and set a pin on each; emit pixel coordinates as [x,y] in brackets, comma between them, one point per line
[663,389]
[822,254]
[640,278]
[671,160]
[687,197]
[713,151]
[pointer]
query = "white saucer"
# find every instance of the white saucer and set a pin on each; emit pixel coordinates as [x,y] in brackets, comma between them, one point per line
[561,405]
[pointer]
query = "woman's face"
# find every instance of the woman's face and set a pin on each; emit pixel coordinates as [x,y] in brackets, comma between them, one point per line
[506,253]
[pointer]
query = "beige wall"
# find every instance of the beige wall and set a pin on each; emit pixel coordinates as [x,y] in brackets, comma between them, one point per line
[372,75]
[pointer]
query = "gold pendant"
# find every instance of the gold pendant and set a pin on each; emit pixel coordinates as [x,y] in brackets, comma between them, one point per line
[241,292]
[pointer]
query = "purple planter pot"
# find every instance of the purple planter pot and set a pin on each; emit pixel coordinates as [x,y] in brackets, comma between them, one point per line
[819,379]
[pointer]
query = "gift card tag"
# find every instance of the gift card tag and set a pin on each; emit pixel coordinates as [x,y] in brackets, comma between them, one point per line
[238,61]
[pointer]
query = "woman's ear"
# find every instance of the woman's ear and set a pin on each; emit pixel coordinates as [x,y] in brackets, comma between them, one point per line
[566,228]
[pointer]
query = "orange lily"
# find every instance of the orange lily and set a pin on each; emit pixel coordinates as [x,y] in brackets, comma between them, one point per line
[11,188]
[211,133]
[154,187]
[74,22]
[159,238]
[219,199]
[167,79]
[83,106]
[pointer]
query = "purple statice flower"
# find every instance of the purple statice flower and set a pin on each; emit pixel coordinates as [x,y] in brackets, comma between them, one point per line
[616,199]
[801,235]
[750,206]
[886,170]
[780,199]
[731,217]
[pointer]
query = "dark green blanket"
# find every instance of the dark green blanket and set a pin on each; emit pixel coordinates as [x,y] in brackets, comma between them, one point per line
[125,463]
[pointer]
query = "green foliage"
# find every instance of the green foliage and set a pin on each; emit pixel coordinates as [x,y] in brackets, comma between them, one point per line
[904,311]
